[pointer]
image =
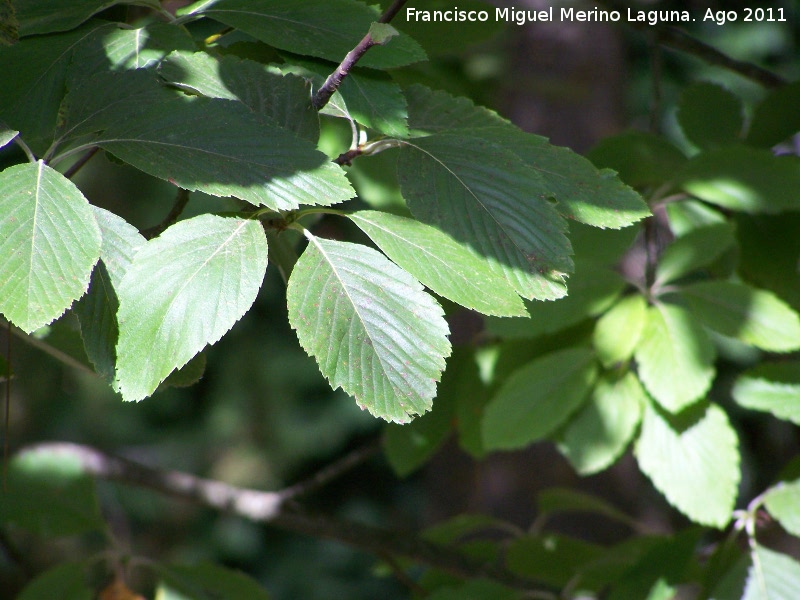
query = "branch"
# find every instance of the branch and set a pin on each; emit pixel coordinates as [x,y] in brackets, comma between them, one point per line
[69,173]
[181,200]
[335,79]
[273,508]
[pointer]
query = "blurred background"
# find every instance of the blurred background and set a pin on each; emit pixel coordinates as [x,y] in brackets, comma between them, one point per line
[262,416]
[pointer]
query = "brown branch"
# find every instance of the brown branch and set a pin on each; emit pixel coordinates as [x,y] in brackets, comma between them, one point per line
[273,508]
[335,79]
[181,200]
[70,173]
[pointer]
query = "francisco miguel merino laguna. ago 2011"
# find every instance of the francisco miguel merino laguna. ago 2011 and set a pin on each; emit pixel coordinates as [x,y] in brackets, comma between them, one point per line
[651,17]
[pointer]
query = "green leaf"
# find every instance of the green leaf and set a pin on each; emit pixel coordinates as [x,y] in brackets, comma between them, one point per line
[744,179]
[581,192]
[538,398]
[373,330]
[617,333]
[477,589]
[776,118]
[220,147]
[48,494]
[408,447]
[639,158]
[560,500]
[49,240]
[48,16]
[753,316]
[69,578]
[771,387]
[434,258]
[490,200]
[592,291]
[184,290]
[381,33]
[698,248]
[30,97]
[772,576]
[688,215]
[9,25]
[207,580]
[286,99]
[694,462]
[326,29]
[7,135]
[783,503]
[601,430]
[552,559]
[675,357]
[710,115]
[133,48]
[97,310]
[769,247]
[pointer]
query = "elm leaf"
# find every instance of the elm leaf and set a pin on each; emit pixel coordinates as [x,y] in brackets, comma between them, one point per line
[373,330]
[185,289]
[49,241]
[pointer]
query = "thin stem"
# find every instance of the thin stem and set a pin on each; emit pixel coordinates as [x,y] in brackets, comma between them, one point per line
[28,152]
[335,79]
[181,200]
[60,356]
[271,508]
[69,173]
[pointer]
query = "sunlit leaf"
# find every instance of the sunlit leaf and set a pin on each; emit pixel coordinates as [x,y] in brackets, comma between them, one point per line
[783,503]
[184,290]
[675,357]
[756,317]
[617,332]
[698,248]
[602,429]
[49,240]
[771,387]
[772,576]
[207,580]
[693,461]
[373,330]
[538,398]
[448,268]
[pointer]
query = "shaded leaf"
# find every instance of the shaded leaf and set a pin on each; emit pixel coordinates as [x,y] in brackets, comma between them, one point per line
[207,580]
[69,578]
[50,241]
[675,357]
[538,398]
[776,118]
[617,333]
[184,290]
[7,134]
[592,290]
[602,429]
[745,179]
[9,25]
[477,589]
[710,115]
[326,29]
[373,330]
[756,317]
[48,16]
[698,248]
[560,500]
[286,99]
[771,387]
[488,199]
[439,262]
[220,147]
[693,461]
[97,310]
[30,97]
[772,576]
[48,494]
[639,158]
[552,559]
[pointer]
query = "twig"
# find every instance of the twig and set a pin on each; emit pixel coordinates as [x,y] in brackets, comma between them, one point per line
[335,79]
[333,471]
[273,509]
[181,200]
[69,173]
